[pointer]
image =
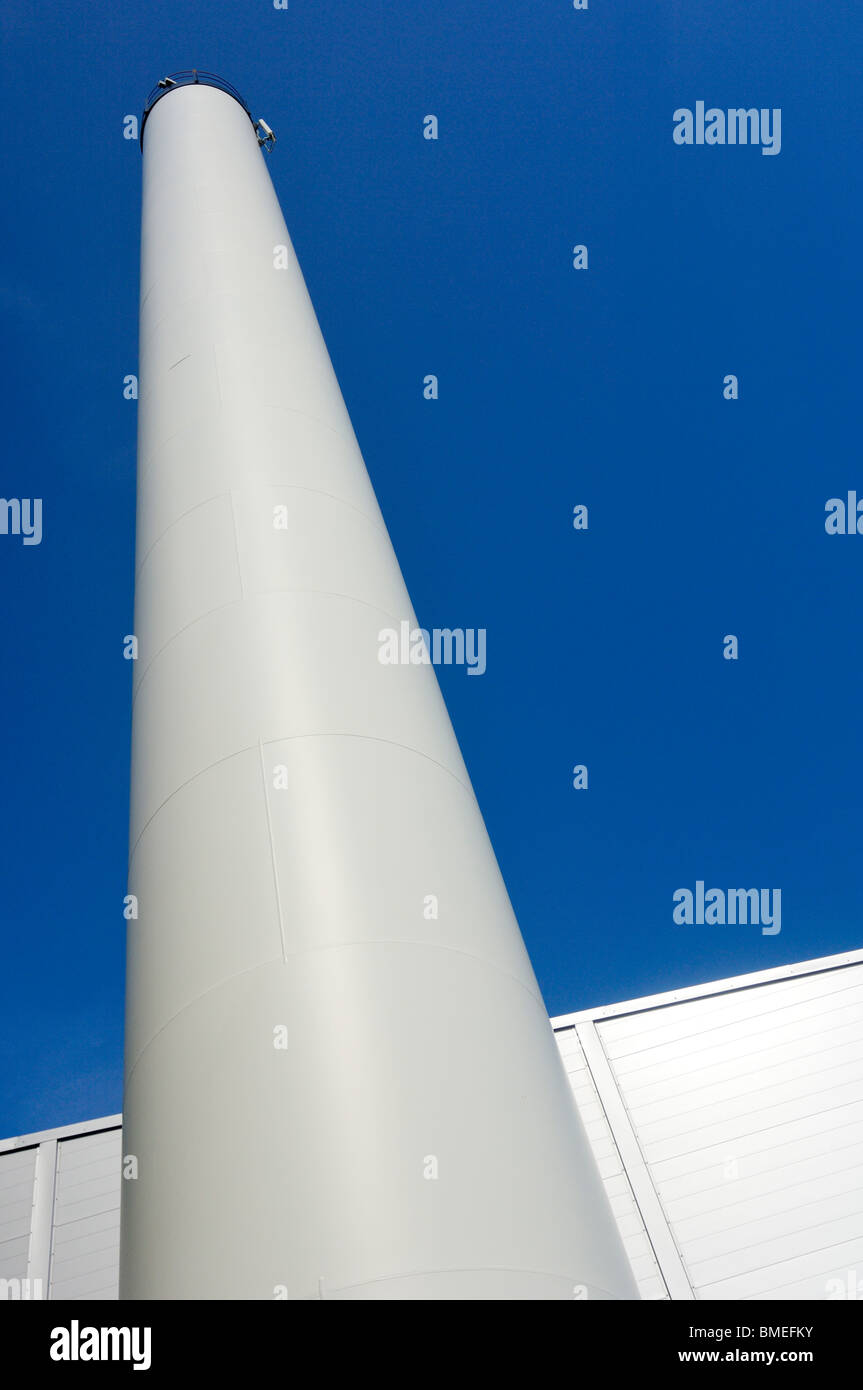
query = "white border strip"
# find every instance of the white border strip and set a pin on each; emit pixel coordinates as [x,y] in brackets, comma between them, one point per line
[653,1217]
[42,1218]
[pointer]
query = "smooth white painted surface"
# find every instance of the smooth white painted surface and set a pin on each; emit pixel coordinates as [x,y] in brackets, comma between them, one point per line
[417,1137]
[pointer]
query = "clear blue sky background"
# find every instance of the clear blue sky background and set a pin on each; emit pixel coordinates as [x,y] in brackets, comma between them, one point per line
[557,387]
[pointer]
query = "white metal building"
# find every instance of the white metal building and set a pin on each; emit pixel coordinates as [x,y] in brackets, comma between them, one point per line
[726,1119]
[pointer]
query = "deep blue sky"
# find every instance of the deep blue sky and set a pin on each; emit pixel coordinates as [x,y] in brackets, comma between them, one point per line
[557,387]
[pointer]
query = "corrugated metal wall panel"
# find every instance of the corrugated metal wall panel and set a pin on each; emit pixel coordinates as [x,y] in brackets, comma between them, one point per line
[85,1250]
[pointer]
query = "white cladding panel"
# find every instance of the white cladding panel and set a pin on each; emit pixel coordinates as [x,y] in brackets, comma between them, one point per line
[60,1212]
[17,1169]
[746,1105]
[86,1234]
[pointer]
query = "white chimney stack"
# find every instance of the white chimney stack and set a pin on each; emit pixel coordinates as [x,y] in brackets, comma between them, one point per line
[341,1081]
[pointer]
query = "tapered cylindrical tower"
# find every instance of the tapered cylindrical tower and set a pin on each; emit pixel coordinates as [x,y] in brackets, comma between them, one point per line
[341,1081]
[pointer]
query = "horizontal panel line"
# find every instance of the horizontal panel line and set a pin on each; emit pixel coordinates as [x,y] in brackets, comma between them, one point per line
[768,1016]
[749,1056]
[768,1129]
[686,1196]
